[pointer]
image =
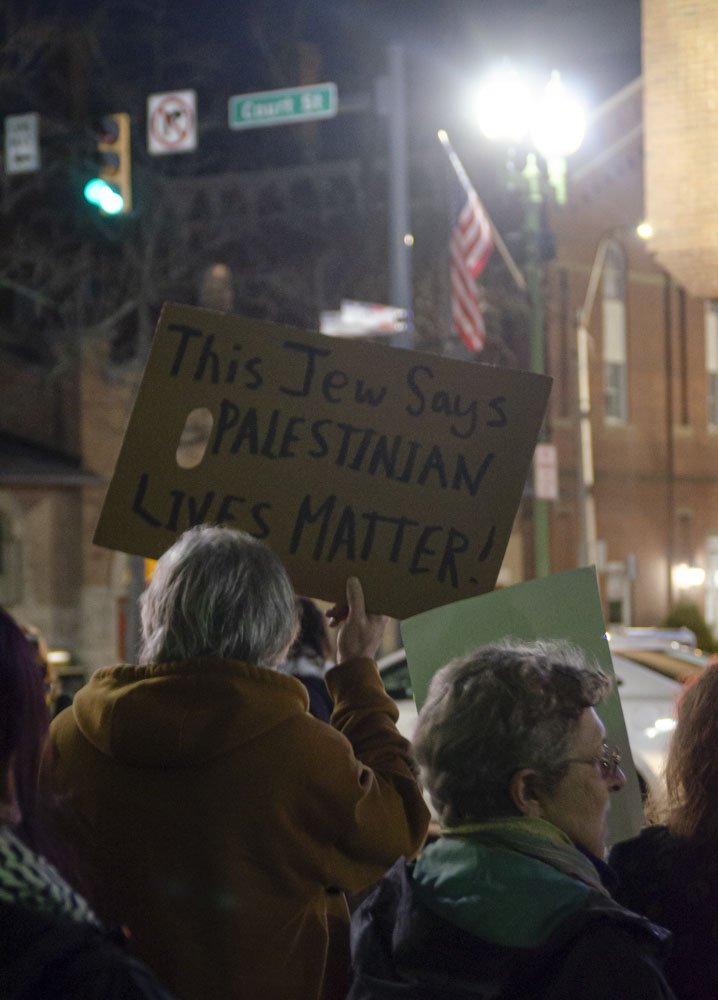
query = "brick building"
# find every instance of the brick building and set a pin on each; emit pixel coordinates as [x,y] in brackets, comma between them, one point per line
[59,439]
[652,366]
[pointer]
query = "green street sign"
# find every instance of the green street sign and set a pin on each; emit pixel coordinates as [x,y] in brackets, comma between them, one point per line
[283,107]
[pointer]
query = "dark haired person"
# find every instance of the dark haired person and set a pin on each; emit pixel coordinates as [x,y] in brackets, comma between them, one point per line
[309,658]
[221,821]
[52,946]
[670,871]
[507,903]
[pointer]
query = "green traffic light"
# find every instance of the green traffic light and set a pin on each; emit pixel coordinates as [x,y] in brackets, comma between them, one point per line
[102,194]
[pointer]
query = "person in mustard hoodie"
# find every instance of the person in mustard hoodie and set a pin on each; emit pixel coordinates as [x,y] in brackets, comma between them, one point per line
[217,818]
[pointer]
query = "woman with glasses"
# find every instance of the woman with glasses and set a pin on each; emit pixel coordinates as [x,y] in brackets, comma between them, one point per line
[508,902]
[670,872]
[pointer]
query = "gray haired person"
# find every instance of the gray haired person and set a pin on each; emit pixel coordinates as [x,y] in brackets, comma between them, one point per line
[508,902]
[199,586]
[219,820]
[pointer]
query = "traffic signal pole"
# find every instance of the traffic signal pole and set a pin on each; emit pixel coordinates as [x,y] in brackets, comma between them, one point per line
[391,103]
[399,222]
[111,189]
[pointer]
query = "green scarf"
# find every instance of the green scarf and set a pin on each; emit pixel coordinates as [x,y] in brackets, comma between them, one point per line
[536,838]
[511,881]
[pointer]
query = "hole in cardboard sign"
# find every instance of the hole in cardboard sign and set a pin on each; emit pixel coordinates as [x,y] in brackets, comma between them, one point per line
[194,438]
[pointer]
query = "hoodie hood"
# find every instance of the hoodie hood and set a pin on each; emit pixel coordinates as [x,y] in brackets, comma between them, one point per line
[184,713]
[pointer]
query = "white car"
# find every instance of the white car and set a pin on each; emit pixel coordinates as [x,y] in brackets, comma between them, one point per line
[651,667]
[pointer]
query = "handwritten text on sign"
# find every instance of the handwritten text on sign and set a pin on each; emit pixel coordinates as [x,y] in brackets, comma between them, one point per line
[402,468]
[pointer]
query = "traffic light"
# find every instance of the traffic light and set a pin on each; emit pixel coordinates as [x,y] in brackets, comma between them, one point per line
[111,188]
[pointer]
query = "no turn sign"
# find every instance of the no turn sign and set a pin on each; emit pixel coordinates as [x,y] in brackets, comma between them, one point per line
[172,122]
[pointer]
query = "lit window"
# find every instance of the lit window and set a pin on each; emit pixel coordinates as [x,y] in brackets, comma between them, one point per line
[711,325]
[712,581]
[615,374]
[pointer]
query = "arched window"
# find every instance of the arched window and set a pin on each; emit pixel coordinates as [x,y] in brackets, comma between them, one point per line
[615,369]
[711,326]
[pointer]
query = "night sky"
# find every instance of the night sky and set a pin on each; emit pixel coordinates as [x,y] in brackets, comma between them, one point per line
[595,43]
[224,47]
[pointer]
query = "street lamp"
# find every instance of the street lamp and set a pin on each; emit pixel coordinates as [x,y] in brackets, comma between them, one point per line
[509,111]
[550,119]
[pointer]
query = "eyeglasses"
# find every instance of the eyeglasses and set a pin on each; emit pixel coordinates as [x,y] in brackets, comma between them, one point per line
[609,760]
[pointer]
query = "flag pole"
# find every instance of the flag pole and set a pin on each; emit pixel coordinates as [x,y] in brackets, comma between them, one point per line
[496,235]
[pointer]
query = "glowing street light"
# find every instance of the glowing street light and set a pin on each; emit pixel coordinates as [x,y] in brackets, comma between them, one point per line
[558,122]
[503,106]
[553,122]
[557,131]
[508,110]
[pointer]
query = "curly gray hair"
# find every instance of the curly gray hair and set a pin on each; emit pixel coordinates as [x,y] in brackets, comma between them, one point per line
[495,711]
[218,591]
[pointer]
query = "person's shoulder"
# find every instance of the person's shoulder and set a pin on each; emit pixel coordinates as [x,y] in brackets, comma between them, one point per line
[615,952]
[649,836]
[654,846]
[47,957]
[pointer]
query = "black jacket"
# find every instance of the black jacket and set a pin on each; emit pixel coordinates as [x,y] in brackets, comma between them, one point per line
[46,958]
[401,949]
[675,883]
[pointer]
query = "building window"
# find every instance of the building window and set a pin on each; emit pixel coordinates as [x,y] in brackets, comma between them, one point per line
[712,581]
[10,570]
[711,324]
[615,374]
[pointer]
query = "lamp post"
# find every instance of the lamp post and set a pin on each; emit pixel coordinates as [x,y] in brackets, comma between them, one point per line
[551,123]
[534,282]
[586,506]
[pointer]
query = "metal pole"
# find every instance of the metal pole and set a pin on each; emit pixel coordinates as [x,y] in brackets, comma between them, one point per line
[586,505]
[670,456]
[132,628]
[533,272]
[400,239]
[587,555]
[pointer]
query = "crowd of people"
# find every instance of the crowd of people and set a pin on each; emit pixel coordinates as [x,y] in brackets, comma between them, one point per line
[201,825]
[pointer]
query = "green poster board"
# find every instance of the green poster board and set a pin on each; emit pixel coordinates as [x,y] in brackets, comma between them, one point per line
[564,606]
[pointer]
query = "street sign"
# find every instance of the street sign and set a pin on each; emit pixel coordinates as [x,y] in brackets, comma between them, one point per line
[360,319]
[373,317]
[545,472]
[283,107]
[22,144]
[172,122]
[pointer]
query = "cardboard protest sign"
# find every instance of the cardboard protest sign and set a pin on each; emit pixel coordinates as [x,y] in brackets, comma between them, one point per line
[349,458]
[564,606]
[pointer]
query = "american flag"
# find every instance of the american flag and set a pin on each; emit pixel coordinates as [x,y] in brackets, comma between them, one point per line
[470,244]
